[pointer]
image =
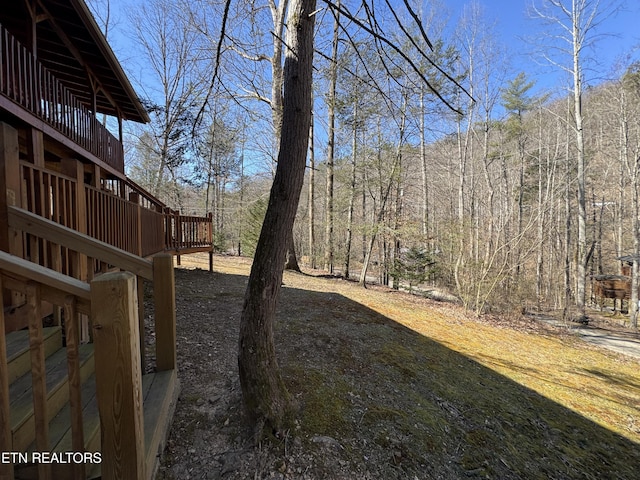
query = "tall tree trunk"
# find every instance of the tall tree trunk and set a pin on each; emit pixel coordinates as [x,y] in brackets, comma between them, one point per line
[312,198]
[567,246]
[582,210]
[264,394]
[352,192]
[385,191]
[333,79]
[423,164]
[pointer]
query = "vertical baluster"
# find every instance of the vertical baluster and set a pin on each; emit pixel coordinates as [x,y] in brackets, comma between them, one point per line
[75,395]
[38,376]
[2,59]
[12,72]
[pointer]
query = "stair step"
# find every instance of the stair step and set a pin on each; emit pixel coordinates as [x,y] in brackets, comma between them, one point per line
[22,419]
[60,425]
[160,395]
[60,437]
[159,392]
[18,357]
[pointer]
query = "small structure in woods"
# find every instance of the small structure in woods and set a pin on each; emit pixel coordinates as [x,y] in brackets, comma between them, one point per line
[616,287]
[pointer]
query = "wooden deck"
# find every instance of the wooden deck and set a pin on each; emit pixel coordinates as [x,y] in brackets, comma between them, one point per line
[87,397]
[74,229]
[159,391]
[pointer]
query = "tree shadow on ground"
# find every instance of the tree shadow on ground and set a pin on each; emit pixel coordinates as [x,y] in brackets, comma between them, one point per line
[423,410]
[379,400]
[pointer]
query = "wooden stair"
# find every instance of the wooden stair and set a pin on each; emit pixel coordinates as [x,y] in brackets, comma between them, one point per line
[159,391]
[58,411]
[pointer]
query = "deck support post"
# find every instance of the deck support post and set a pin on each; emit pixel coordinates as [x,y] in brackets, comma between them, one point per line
[164,297]
[114,308]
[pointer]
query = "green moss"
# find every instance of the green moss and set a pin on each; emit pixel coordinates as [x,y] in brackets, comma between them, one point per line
[323,400]
[401,358]
[376,414]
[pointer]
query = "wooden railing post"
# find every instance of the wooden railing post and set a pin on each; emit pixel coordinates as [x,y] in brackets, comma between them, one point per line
[167,228]
[75,169]
[10,195]
[164,298]
[114,312]
[38,375]
[134,197]
[209,238]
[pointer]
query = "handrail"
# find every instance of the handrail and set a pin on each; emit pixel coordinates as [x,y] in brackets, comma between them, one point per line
[33,224]
[26,82]
[56,284]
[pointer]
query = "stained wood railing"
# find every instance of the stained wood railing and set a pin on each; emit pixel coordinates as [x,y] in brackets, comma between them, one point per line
[51,196]
[185,233]
[30,85]
[137,223]
[113,220]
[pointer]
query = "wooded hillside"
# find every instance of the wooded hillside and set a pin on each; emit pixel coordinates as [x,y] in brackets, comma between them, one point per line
[514,203]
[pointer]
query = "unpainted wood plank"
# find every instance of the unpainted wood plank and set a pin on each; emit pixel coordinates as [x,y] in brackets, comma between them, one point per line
[48,293]
[141,321]
[22,420]
[91,427]
[160,400]
[26,269]
[59,426]
[18,358]
[75,394]
[118,374]
[38,376]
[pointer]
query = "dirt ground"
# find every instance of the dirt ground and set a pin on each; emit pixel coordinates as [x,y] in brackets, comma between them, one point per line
[210,439]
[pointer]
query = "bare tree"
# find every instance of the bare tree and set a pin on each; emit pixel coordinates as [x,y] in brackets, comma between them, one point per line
[265,396]
[575,22]
[331,114]
[168,46]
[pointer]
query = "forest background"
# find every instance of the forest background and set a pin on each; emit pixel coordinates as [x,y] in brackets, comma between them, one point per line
[503,205]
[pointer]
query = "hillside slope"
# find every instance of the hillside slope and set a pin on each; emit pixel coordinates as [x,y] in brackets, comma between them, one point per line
[390,385]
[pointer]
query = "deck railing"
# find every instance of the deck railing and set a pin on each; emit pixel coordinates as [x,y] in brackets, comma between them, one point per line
[138,224]
[186,232]
[128,449]
[25,81]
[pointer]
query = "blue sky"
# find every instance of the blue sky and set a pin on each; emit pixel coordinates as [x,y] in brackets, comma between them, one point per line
[512,25]
[618,36]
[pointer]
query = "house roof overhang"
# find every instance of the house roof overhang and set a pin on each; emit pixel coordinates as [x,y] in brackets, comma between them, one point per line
[71,46]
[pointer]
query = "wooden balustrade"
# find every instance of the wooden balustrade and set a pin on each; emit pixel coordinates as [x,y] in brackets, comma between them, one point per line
[187,233]
[27,83]
[51,196]
[152,224]
[129,442]
[125,223]
[113,220]
[42,284]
